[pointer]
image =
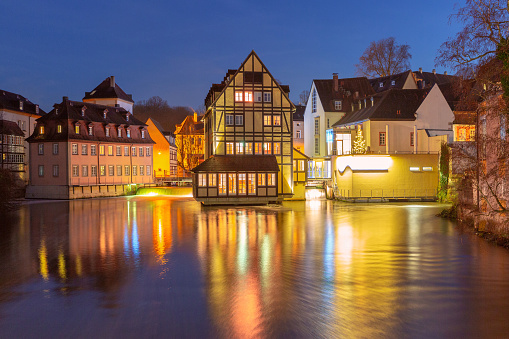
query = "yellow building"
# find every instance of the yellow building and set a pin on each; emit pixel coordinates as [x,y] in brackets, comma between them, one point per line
[386,177]
[248,130]
[161,153]
[300,164]
[190,145]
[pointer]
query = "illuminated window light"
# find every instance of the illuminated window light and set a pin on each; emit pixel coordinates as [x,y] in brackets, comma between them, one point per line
[427,169]
[415,169]
[248,96]
[364,163]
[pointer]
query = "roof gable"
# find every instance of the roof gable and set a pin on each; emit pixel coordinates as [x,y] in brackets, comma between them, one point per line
[349,91]
[11,101]
[108,89]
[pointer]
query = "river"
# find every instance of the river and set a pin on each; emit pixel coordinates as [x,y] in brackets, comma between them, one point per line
[134,267]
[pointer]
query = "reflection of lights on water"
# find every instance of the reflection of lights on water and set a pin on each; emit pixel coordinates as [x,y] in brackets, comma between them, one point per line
[329,253]
[151,194]
[61,265]
[242,256]
[265,261]
[79,266]
[43,260]
[344,236]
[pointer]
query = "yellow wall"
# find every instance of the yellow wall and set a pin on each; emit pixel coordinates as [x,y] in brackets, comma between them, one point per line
[397,181]
[161,150]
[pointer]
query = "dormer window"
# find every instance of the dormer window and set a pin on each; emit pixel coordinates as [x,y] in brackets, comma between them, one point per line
[393,83]
[83,109]
[41,130]
[20,105]
[128,133]
[36,109]
[127,117]
[90,130]
[337,105]
[107,131]
[59,128]
[143,134]
[77,129]
[105,113]
[119,133]
[381,84]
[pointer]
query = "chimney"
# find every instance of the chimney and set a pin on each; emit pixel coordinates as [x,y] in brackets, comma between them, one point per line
[64,99]
[420,69]
[195,117]
[112,81]
[445,73]
[335,81]
[434,71]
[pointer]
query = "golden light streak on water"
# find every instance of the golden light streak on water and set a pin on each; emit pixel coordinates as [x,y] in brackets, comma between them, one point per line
[61,265]
[43,260]
[79,267]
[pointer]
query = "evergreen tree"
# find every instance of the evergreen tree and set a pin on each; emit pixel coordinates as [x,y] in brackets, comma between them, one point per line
[359,144]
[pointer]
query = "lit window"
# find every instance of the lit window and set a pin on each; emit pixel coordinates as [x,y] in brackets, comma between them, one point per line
[74,149]
[110,150]
[232,183]
[267,96]
[248,96]
[41,129]
[271,179]
[77,129]
[84,149]
[239,148]
[249,148]
[41,170]
[212,180]
[427,169]
[267,148]
[75,171]
[128,133]
[101,149]
[267,120]
[337,105]
[143,134]
[102,170]
[277,148]
[258,148]
[415,169]
[90,130]
[41,149]
[229,148]
[277,120]
[119,150]
[84,171]
[238,96]
[222,183]
[258,96]
[93,150]
[55,149]
[55,171]
[59,129]
[381,139]
[229,119]
[107,132]
[261,179]
[202,180]
[301,165]
[119,133]
[93,171]
[251,183]
[242,183]
[239,119]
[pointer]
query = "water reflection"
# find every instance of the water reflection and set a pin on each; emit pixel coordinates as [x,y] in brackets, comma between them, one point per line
[304,269]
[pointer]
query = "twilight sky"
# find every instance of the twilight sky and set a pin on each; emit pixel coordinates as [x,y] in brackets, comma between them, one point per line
[177,49]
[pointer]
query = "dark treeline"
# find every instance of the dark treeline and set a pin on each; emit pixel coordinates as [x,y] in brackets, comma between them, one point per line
[159,110]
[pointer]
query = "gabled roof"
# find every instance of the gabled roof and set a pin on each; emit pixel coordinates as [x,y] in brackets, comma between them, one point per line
[210,99]
[11,101]
[238,163]
[431,78]
[399,81]
[465,117]
[298,115]
[348,89]
[193,127]
[10,128]
[108,89]
[394,104]
[300,153]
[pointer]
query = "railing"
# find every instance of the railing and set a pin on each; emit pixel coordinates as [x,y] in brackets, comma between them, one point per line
[106,180]
[397,193]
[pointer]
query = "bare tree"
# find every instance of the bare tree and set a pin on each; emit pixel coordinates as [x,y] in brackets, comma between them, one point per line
[303,97]
[383,58]
[159,109]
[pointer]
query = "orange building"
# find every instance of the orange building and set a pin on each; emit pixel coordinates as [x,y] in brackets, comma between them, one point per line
[161,155]
[189,139]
